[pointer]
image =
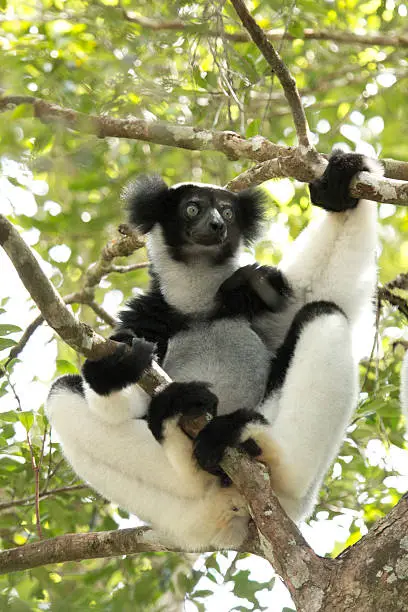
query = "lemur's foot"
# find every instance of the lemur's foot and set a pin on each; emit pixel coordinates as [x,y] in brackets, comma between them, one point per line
[191,399]
[235,429]
[124,367]
[331,190]
[270,285]
[252,289]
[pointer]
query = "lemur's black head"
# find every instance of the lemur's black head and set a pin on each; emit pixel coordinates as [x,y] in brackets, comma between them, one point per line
[196,219]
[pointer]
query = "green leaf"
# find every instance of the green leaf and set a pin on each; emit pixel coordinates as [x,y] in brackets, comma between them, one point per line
[9,417]
[253,128]
[26,419]
[66,367]
[6,343]
[202,593]
[6,329]
[296,29]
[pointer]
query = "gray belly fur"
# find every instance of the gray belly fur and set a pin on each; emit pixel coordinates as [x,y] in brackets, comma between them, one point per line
[226,353]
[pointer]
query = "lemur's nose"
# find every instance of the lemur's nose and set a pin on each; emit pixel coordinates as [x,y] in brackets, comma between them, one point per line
[216,222]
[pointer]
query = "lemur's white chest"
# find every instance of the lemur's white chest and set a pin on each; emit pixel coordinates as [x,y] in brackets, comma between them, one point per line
[191,287]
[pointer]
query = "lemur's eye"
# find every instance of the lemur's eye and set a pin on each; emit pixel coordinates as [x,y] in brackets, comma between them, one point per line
[227,213]
[192,210]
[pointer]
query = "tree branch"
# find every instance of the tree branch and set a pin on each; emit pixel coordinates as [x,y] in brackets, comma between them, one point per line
[280,160]
[79,546]
[184,137]
[280,69]
[275,35]
[378,564]
[303,168]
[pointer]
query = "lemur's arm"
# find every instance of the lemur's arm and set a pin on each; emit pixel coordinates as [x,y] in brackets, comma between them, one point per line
[332,270]
[334,257]
[144,330]
[150,317]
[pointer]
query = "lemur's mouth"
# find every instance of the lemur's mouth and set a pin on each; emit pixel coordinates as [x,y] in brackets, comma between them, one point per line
[207,238]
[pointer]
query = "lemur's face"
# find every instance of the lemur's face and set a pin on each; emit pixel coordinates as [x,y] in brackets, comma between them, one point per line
[201,220]
[207,217]
[195,219]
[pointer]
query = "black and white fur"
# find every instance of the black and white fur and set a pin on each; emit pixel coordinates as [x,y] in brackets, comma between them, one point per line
[276,347]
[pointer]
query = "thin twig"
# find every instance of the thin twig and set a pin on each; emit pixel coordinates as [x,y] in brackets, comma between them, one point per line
[42,495]
[273,35]
[129,268]
[102,313]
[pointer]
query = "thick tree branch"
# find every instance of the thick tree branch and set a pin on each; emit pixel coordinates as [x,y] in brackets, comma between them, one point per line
[275,35]
[280,541]
[280,69]
[79,546]
[280,160]
[79,336]
[372,575]
[184,137]
[303,167]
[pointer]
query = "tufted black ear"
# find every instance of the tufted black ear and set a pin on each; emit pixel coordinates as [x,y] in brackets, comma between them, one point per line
[251,212]
[145,199]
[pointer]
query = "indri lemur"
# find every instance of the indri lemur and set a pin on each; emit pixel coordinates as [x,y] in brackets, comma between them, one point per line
[268,352]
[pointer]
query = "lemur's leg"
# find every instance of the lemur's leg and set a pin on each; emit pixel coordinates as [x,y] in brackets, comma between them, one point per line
[111,460]
[124,463]
[334,257]
[119,405]
[127,444]
[315,386]
[103,413]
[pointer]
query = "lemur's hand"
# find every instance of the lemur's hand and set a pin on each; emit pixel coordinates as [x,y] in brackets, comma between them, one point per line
[331,190]
[124,367]
[192,399]
[253,289]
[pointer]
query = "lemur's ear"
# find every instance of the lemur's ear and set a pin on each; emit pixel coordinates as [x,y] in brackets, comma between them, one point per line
[251,212]
[145,199]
